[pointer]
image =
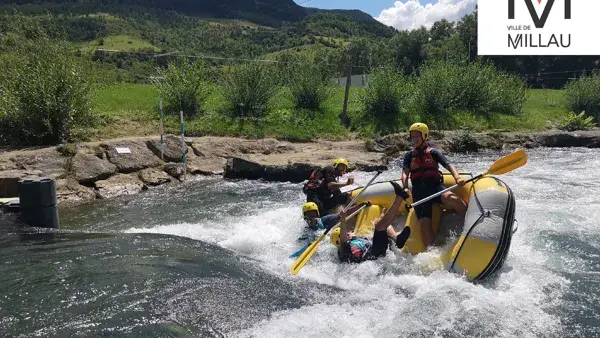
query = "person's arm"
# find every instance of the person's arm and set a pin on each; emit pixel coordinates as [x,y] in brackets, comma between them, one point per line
[331,181]
[441,159]
[343,228]
[406,171]
[338,185]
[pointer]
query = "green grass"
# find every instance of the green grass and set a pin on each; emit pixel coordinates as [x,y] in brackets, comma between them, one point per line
[542,109]
[126,110]
[132,110]
[118,42]
[126,98]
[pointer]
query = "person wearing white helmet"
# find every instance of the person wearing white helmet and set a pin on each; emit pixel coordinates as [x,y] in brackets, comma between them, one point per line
[323,187]
[354,249]
[422,166]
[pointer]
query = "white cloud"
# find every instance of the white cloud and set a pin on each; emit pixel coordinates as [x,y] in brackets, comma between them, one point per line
[410,14]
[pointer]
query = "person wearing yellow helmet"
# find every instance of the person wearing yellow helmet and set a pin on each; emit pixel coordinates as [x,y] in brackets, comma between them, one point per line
[312,217]
[323,188]
[353,249]
[421,165]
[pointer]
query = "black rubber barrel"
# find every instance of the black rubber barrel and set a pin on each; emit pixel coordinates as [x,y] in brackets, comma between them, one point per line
[38,203]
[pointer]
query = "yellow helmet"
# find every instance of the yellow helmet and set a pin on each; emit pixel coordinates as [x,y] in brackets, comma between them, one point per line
[335,237]
[310,206]
[421,127]
[339,161]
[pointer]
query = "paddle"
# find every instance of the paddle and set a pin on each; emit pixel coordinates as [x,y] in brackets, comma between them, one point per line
[297,253]
[503,165]
[312,248]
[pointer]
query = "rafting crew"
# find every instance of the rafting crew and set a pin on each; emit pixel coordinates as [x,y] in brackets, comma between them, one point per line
[323,187]
[421,165]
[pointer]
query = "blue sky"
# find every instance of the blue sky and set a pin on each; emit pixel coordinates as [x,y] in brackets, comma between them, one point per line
[402,14]
[372,7]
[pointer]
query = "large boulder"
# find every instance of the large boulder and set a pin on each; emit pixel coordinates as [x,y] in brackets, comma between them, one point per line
[295,172]
[89,168]
[7,164]
[139,156]
[69,191]
[216,146]
[369,167]
[390,144]
[590,139]
[49,161]
[172,148]
[240,168]
[154,177]
[174,169]
[230,147]
[206,166]
[119,184]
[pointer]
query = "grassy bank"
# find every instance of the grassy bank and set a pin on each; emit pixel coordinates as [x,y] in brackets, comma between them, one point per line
[132,110]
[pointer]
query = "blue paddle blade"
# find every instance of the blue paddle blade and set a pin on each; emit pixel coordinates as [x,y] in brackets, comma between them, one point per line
[299,252]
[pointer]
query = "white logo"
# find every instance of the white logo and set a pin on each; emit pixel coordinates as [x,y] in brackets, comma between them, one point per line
[538,27]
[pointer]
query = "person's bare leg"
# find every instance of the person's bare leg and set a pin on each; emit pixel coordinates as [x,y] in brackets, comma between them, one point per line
[454,202]
[399,238]
[389,215]
[426,231]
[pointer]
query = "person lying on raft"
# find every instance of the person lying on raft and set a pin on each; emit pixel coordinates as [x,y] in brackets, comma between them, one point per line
[310,210]
[353,249]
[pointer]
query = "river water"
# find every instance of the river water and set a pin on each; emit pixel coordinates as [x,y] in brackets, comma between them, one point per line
[209,258]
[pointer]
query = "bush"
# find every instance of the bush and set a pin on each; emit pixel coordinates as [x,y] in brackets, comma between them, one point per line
[45,96]
[575,122]
[247,89]
[183,87]
[387,100]
[583,94]
[448,87]
[308,89]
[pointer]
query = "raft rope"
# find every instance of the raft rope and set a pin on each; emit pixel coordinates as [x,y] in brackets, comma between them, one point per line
[506,234]
[481,216]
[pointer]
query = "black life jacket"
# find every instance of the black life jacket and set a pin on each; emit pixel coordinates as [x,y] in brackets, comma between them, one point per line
[315,181]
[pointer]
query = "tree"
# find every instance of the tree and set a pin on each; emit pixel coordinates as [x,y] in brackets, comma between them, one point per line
[467,31]
[442,29]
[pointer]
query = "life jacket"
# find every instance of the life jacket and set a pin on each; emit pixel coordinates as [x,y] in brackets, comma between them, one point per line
[359,247]
[315,181]
[423,165]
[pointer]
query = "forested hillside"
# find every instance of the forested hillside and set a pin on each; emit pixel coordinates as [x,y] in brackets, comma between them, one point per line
[263,69]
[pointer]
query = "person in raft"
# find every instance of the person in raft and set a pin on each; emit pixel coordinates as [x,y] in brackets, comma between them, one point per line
[353,249]
[310,211]
[422,166]
[323,187]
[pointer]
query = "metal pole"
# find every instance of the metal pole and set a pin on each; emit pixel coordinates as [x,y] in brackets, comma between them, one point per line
[183,146]
[162,142]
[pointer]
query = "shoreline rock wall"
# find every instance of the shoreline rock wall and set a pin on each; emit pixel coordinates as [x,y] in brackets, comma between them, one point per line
[106,169]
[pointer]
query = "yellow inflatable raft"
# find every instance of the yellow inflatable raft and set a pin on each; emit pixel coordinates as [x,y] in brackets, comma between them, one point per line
[487,228]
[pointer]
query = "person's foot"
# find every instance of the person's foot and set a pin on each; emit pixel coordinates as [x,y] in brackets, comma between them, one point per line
[399,190]
[402,237]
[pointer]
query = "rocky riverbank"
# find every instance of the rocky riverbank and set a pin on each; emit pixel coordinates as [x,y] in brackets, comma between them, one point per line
[97,170]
